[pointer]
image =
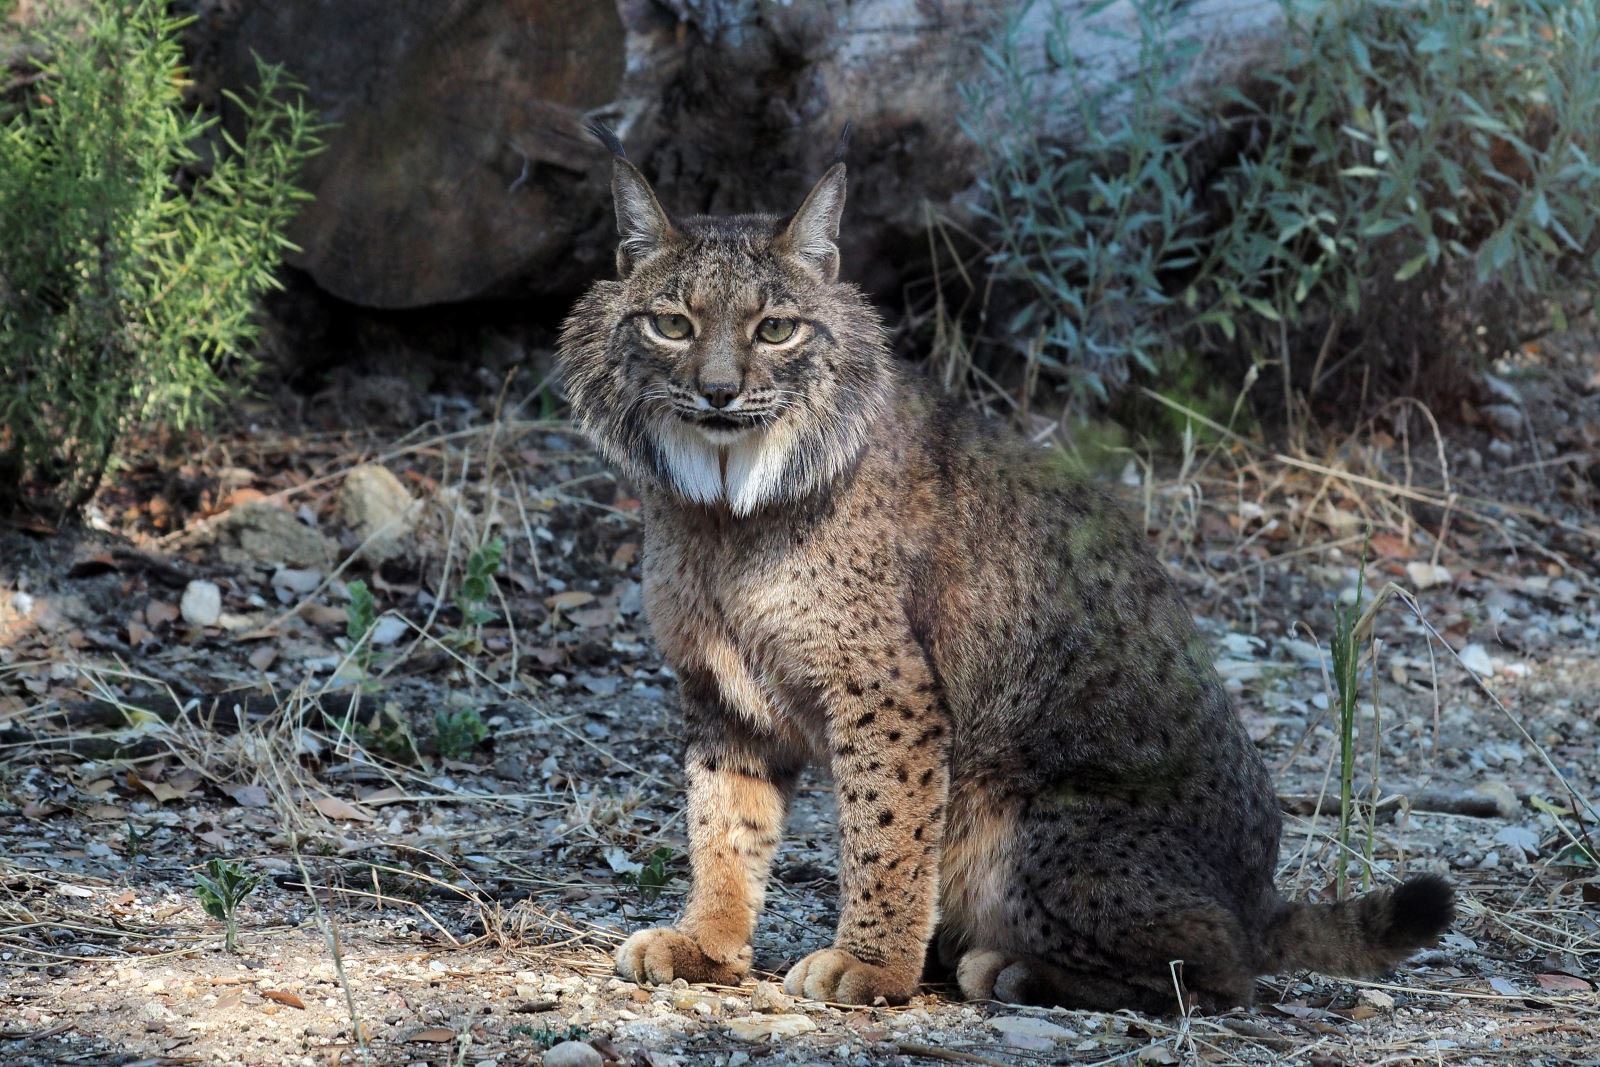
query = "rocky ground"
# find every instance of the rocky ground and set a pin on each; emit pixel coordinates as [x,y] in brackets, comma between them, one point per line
[458,802]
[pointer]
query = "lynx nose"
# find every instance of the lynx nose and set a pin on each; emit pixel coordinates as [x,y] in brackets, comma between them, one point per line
[719,394]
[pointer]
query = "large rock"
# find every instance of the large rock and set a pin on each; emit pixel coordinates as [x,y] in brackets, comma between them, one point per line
[458,145]
[459,168]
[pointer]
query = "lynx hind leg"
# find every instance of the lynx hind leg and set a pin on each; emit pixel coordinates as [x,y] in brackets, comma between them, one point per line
[1019,978]
[1097,908]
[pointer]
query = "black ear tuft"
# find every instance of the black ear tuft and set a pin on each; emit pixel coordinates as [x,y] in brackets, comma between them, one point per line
[602,133]
[812,234]
[843,144]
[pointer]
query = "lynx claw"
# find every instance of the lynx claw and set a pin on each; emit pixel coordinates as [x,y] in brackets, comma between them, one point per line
[839,977]
[656,957]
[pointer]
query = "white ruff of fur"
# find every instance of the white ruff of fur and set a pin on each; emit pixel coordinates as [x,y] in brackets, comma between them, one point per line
[744,473]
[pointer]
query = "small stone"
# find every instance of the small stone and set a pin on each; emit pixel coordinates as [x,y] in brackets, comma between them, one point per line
[295,582]
[202,603]
[267,534]
[1505,418]
[762,1027]
[1521,842]
[1024,1031]
[768,999]
[1377,998]
[1476,659]
[693,1000]
[387,630]
[378,510]
[1501,390]
[573,1054]
[1427,575]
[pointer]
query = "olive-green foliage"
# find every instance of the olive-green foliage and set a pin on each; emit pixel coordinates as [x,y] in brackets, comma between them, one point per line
[653,876]
[1414,170]
[221,889]
[477,582]
[1346,651]
[458,731]
[131,262]
[545,1037]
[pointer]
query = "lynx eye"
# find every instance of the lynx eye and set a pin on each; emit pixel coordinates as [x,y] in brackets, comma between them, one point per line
[775,331]
[672,327]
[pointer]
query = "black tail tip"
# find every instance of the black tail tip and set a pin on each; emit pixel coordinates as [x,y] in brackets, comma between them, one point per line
[602,133]
[1422,908]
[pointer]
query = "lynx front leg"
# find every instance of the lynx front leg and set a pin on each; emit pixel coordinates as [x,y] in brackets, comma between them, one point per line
[890,741]
[739,789]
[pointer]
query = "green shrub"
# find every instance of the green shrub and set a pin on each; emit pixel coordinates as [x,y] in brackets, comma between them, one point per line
[1412,163]
[130,262]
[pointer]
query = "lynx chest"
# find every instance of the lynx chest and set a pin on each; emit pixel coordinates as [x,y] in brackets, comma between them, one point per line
[760,619]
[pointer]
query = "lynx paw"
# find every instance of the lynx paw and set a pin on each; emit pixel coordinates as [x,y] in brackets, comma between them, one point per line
[976,972]
[655,957]
[985,974]
[835,975]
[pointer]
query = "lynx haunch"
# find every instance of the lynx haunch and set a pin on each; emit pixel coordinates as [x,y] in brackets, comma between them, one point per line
[1040,779]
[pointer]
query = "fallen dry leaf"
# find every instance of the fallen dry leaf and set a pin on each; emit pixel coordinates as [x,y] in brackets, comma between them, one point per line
[572,598]
[160,613]
[248,796]
[285,998]
[179,787]
[334,808]
[762,1027]
[216,839]
[1389,546]
[1563,983]
[242,495]
[433,1035]
[589,618]
[324,615]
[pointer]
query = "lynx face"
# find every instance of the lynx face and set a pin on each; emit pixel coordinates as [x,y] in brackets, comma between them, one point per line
[727,365]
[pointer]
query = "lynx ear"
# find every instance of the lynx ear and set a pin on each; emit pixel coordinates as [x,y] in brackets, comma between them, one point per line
[641,223]
[811,233]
